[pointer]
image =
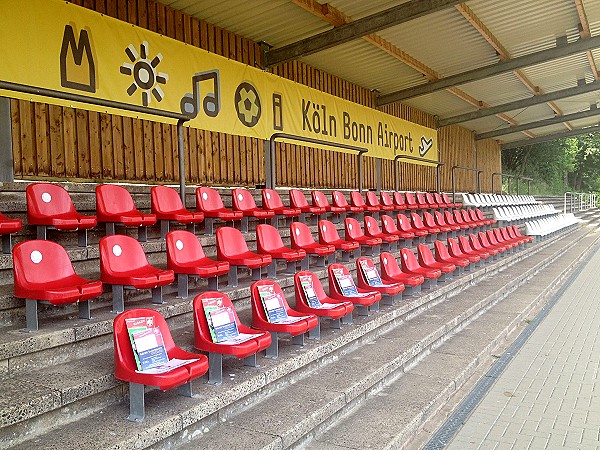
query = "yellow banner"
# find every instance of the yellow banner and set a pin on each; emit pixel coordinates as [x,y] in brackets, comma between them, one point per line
[56,45]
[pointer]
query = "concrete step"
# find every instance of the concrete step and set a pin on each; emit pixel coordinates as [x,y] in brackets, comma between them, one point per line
[442,378]
[173,419]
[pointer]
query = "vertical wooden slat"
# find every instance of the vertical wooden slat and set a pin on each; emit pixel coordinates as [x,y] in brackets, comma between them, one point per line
[95,145]
[16,137]
[70,141]
[42,140]
[83,169]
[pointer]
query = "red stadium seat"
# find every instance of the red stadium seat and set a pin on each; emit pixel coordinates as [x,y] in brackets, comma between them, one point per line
[372,229]
[411,266]
[320,201]
[49,205]
[339,199]
[460,220]
[492,239]
[480,216]
[368,278]
[515,232]
[411,202]
[484,238]
[328,235]
[354,233]
[42,271]
[450,220]
[232,247]
[399,202]
[298,200]
[209,202]
[246,347]
[405,225]
[311,299]
[123,264]
[268,300]
[430,223]
[342,287]
[357,200]
[455,251]
[478,246]
[417,224]
[373,200]
[449,202]
[115,205]
[467,249]
[476,220]
[389,226]
[185,257]
[387,201]
[243,201]
[440,201]
[302,238]
[268,242]
[7,227]
[167,206]
[392,273]
[442,255]
[430,200]
[441,221]
[125,364]
[505,240]
[422,201]
[271,201]
[427,260]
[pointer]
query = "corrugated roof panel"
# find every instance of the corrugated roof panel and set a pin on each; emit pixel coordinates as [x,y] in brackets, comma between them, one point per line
[357,9]
[441,103]
[366,65]
[442,50]
[587,122]
[560,73]
[485,124]
[592,11]
[499,89]
[531,114]
[579,102]
[524,27]
[277,22]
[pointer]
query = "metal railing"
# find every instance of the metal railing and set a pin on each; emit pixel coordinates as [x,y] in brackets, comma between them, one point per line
[579,201]
[472,169]
[414,158]
[509,176]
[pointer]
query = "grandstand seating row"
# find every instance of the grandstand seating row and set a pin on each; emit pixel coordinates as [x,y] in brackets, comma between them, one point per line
[489,200]
[522,212]
[311,302]
[550,226]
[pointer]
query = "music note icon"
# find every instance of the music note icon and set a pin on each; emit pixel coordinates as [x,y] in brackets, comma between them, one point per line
[211,103]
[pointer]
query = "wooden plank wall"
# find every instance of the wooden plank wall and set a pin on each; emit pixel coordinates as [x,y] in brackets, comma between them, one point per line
[57,143]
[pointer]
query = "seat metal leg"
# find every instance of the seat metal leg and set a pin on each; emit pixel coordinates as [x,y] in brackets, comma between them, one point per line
[304,264]
[320,261]
[31,315]
[213,283]
[272,269]
[232,278]
[110,228]
[345,256]
[136,402]
[250,360]
[315,333]
[164,228]
[374,307]
[388,300]
[347,319]
[41,232]
[157,297]
[215,368]
[185,389]
[142,234]
[118,299]
[272,351]
[335,324]
[291,268]
[298,340]
[6,243]
[362,310]
[256,274]
[244,225]
[182,285]
[85,310]
[82,238]
[209,226]
[191,227]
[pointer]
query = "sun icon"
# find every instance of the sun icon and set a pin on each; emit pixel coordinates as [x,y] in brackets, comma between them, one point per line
[145,75]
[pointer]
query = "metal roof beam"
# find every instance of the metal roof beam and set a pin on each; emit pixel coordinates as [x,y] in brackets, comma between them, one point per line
[551,137]
[541,123]
[356,29]
[560,51]
[519,104]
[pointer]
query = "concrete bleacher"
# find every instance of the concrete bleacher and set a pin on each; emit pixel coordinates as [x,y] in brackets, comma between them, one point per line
[59,380]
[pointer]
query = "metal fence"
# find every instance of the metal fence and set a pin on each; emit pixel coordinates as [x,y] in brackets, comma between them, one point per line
[578,201]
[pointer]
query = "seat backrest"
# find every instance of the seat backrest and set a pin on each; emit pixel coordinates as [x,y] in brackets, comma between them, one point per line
[428,219]
[475,242]
[399,199]
[484,239]
[230,242]
[39,262]
[425,255]
[182,247]
[47,200]
[429,198]
[339,270]
[320,200]
[300,234]
[353,229]
[113,199]
[449,218]
[458,218]
[120,253]
[437,197]
[242,199]
[372,199]
[416,220]
[408,259]
[479,214]
[439,219]
[420,198]
[465,215]
[403,222]
[473,215]
[356,199]
[165,199]
[208,199]
[454,247]
[386,199]
[372,225]
[271,199]
[339,199]
[410,198]
[491,237]
[257,304]
[298,199]
[441,251]
[316,285]
[388,224]
[465,243]
[327,232]
[124,356]
[220,300]
[267,238]
[446,198]
[366,272]
[389,265]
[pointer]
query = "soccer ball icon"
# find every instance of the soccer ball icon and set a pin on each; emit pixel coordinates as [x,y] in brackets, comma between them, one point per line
[247,104]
